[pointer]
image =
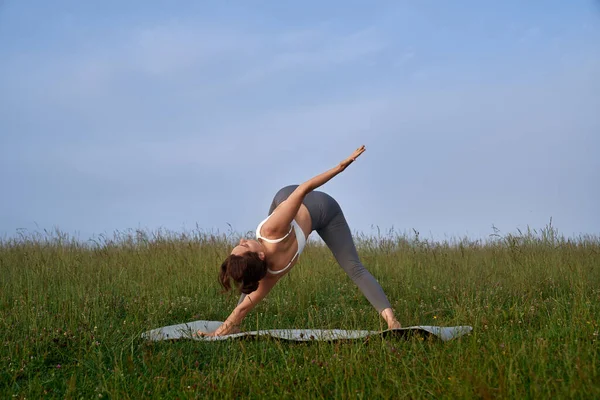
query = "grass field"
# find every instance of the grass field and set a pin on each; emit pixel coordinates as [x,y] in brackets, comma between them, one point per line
[71,315]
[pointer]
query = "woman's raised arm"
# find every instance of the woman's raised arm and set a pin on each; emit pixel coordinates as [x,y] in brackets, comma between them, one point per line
[279,222]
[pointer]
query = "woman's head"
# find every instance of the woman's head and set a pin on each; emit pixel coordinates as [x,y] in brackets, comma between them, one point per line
[246,265]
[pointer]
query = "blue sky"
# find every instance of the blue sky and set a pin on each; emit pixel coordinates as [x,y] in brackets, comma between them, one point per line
[177,115]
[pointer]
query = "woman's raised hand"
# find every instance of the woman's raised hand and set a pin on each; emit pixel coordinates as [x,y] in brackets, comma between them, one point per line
[353,157]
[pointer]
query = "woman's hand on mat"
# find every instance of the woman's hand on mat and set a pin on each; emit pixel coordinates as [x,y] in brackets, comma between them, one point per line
[222,331]
[344,164]
[233,329]
[205,334]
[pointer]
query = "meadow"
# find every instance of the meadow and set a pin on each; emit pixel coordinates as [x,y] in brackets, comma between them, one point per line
[71,315]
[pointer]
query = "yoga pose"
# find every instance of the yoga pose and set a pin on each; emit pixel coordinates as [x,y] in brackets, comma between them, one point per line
[257,265]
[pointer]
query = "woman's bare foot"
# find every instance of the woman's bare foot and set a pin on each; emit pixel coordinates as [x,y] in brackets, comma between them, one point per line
[391,320]
[394,325]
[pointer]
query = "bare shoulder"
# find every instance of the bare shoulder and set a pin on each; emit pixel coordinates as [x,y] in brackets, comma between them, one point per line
[273,228]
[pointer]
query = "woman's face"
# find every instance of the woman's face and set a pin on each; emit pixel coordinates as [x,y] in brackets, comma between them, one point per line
[245,246]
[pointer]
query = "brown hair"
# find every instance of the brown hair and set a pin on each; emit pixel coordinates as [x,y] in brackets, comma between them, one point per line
[245,270]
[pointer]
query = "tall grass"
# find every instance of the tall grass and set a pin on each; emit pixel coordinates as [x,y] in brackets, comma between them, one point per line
[71,315]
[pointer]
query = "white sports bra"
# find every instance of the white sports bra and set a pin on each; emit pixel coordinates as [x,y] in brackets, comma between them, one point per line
[299,237]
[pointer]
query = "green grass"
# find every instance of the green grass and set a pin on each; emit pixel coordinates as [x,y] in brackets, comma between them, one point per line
[71,315]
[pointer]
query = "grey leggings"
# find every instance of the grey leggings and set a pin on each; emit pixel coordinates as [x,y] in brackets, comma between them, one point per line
[328,220]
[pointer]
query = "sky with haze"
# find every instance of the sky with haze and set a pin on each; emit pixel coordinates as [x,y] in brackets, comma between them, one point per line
[119,115]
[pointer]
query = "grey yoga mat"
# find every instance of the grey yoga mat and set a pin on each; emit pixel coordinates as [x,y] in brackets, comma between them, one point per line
[188,331]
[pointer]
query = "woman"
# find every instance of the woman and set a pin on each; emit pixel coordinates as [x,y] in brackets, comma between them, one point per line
[257,265]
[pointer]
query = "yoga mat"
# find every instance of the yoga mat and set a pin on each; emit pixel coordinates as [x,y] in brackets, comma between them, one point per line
[188,331]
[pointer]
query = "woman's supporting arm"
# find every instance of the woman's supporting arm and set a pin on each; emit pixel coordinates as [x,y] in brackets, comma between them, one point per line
[236,317]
